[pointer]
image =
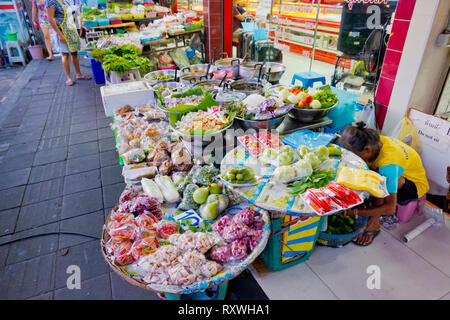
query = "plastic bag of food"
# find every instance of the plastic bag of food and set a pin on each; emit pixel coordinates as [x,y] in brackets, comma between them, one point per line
[362,180]
[210,269]
[143,247]
[239,248]
[246,216]
[166,228]
[134,156]
[125,231]
[221,253]
[122,253]
[146,222]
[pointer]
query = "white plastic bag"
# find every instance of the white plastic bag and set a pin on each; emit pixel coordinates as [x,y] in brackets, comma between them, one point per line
[367,115]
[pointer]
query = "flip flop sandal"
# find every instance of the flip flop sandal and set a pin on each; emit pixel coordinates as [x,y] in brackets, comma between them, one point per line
[374,234]
[85,77]
[69,83]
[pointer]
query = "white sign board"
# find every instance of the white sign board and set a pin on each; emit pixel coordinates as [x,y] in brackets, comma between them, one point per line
[434,136]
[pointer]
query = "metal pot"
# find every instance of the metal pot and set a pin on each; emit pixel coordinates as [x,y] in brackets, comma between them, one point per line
[248,86]
[273,71]
[250,70]
[309,115]
[199,69]
[229,63]
[191,79]
[208,85]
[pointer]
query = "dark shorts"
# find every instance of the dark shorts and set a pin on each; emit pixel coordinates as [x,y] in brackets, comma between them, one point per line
[407,193]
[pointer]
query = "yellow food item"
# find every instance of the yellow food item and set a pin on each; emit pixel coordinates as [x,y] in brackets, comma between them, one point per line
[362,180]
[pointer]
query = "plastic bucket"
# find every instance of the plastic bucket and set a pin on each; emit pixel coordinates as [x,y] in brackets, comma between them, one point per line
[11,36]
[97,71]
[170,67]
[36,52]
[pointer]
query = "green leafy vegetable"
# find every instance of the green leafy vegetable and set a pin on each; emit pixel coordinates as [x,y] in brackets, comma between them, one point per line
[326,97]
[318,179]
[98,54]
[238,107]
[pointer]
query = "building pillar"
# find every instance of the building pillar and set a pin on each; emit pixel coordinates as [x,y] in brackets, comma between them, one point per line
[213,25]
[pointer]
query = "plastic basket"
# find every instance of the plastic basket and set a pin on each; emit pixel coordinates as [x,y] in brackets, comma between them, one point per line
[103,22]
[97,71]
[115,21]
[150,14]
[126,16]
[90,24]
[121,31]
[139,16]
[193,26]
[146,40]
[339,240]
[11,36]
[302,234]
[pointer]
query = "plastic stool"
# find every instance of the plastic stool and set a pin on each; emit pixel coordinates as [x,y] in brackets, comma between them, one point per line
[15,52]
[405,212]
[308,78]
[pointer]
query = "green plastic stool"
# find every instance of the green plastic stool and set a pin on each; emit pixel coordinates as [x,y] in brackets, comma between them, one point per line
[219,294]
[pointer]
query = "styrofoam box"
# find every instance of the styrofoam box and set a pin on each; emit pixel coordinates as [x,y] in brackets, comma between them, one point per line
[134,94]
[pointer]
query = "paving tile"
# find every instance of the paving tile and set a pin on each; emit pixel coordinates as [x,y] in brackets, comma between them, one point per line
[404,274]
[111,175]
[90,224]
[87,256]
[48,171]
[49,156]
[42,191]
[39,214]
[446,297]
[84,117]
[111,194]
[56,142]
[28,279]
[104,133]
[55,131]
[82,181]
[98,288]
[37,110]
[83,164]
[82,137]
[11,198]
[107,144]
[22,148]
[8,220]
[104,123]
[33,247]
[83,149]
[294,283]
[80,203]
[4,250]
[109,158]
[14,178]
[11,163]
[84,126]
[122,290]
[44,296]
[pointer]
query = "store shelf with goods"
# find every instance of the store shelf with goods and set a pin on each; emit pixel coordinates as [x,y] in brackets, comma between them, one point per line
[190,5]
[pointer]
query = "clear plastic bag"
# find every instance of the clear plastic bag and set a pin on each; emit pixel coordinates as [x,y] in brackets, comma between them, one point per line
[368,116]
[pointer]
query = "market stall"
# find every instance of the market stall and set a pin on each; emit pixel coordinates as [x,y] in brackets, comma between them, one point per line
[212,182]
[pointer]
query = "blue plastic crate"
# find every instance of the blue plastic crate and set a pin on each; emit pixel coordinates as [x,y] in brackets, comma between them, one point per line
[97,71]
[90,24]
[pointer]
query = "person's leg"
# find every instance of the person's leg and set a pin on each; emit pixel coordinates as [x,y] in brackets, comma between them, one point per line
[373,225]
[76,64]
[66,66]
[48,42]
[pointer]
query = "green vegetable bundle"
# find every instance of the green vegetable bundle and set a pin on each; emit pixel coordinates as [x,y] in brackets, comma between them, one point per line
[98,54]
[123,58]
[318,179]
[112,62]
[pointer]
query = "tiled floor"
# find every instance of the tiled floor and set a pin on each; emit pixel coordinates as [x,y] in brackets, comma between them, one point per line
[59,173]
[415,270]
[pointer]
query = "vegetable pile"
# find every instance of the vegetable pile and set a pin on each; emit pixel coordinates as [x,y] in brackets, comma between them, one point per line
[321,98]
[340,225]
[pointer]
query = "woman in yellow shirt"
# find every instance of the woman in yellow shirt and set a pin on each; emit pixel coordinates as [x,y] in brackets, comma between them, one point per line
[399,163]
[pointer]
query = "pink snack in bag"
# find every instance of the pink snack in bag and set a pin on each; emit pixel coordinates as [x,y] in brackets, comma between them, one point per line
[220,254]
[252,144]
[239,248]
[268,139]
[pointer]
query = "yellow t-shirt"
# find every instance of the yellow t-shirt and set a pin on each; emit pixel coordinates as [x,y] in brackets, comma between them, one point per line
[397,159]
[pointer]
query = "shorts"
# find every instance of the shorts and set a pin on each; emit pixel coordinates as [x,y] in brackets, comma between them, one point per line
[407,193]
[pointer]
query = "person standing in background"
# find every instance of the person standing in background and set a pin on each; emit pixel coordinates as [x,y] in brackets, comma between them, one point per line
[39,17]
[61,19]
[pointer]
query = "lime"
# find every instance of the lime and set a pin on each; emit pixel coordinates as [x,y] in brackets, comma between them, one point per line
[200,195]
[214,188]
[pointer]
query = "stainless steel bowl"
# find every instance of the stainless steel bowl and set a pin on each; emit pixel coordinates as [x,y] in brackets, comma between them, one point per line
[150,77]
[249,70]
[208,85]
[261,124]
[309,115]
[273,71]
[229,63]
[202,140]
